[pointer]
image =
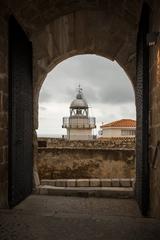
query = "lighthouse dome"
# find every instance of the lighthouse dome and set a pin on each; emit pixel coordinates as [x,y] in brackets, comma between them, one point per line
[79,102]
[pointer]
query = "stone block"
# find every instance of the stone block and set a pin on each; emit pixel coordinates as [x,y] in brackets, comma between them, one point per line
[82,182]
[115,182]
[61,183]
[125,182]
[133,182]
[94,182]
[52,182]
[71,182]
[36,180]
[44,182]
[105,182]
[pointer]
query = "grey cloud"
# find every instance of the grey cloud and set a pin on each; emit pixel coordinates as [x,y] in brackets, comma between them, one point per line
[114,95]
[45,96]
[103,81]
[42,108]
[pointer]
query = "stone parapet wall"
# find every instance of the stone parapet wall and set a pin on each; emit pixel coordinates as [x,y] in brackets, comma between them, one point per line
[116,143]
[56,163]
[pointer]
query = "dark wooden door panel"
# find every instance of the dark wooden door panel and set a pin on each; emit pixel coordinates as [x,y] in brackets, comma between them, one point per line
[142,104]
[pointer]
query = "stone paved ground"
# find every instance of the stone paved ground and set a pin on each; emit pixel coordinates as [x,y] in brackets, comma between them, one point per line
[73,218]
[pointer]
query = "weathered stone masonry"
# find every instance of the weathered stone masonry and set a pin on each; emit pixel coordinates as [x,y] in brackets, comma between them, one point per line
[86,159]
[124,143]
[154,123]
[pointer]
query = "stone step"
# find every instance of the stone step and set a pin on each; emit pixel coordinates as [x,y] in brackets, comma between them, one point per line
[114,182]
[109,192]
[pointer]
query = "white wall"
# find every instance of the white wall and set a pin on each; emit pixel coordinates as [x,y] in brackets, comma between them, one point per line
[111,133]
[115,132]
[79,134]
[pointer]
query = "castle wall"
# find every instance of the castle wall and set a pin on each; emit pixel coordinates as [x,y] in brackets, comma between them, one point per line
[86,159]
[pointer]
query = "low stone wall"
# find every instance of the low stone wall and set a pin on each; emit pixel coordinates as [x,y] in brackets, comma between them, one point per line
[91,183]
[85,162]
[119,142]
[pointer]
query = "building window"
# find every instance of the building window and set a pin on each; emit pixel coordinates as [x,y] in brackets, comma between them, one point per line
[100,132]
[128,132]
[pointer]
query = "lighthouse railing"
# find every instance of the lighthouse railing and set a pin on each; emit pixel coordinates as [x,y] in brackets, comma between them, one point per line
[74,122]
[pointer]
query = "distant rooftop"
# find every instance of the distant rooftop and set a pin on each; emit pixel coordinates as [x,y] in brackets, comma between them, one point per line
[121,123]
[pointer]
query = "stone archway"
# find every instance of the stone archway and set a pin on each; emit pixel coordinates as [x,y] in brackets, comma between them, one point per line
[100,78]
[64,29]
[81,32]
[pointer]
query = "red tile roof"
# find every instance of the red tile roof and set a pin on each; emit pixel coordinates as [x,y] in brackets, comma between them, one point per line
[121,123]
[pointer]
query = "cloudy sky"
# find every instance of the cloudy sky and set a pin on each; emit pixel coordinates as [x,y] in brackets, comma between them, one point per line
[106,87]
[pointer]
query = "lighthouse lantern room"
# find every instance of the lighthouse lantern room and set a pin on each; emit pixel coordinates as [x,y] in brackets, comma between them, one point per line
[79,125]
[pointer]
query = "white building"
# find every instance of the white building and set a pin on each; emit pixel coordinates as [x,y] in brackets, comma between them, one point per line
[79,125]
[120,128]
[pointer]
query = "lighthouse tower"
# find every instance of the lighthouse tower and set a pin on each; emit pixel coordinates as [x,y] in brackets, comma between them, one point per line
[79,125]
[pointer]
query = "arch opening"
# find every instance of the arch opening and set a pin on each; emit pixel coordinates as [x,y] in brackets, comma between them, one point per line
[110,97]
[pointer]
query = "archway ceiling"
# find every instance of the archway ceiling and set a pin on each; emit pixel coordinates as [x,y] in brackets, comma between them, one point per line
[35,15]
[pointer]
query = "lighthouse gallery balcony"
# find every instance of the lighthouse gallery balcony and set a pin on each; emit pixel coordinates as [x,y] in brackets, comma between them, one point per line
[74,122]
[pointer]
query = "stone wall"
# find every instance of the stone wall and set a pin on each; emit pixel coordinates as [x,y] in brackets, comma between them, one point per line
[85,159]
[79,32]
[57,32]
[127,143]
[154,131]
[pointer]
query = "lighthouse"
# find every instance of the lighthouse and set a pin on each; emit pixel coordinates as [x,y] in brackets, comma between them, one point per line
[79,125]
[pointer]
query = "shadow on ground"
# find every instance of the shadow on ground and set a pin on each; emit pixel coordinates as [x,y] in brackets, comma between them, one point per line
[73,218]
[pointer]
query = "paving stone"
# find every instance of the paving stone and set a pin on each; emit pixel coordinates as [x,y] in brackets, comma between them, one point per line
[94,182]
[82,182]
